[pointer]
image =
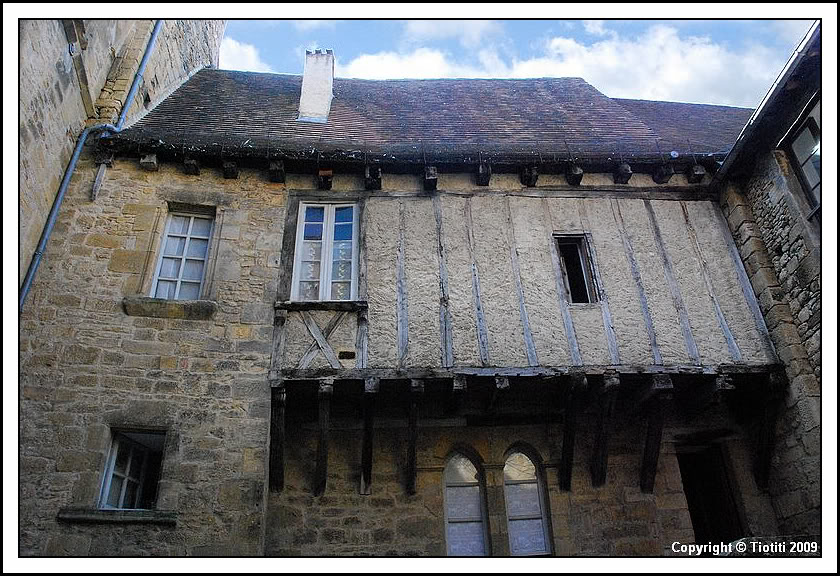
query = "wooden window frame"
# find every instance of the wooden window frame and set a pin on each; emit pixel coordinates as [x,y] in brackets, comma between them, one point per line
[543,516]
[805,122]
[117,442]
[187,238]
[482,491]
[327,240]
[582,242]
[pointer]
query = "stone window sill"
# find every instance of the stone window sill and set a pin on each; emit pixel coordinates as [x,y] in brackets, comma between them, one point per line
[97,516]
[160,308]
[340,305]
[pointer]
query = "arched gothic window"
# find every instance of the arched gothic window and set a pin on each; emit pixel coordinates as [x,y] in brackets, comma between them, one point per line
[466,525]
[525,506]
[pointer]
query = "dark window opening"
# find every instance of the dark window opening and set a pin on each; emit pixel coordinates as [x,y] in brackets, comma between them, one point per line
[711,504]
[576,269]
[133,470]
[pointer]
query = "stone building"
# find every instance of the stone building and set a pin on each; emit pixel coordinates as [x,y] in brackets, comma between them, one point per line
[318,316]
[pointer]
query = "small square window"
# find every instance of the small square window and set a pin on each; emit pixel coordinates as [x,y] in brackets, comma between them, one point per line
[132,471]
[181,268]
[576,268]
[326,252]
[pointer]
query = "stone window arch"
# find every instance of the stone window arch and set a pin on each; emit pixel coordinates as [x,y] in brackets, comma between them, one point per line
[526,504]
[464,505]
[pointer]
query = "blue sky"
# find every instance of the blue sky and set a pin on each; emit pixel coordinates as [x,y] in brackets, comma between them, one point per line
[730,62]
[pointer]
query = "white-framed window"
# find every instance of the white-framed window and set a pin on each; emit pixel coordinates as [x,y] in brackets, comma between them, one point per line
[464,511]
[181,267]
[803,148]
[132,470]
[326,252]
[525,506]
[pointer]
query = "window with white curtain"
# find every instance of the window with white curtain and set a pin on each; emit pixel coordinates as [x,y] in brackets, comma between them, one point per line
[466,527]
[524,503]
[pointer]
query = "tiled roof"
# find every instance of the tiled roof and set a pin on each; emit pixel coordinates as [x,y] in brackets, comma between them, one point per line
[256,114]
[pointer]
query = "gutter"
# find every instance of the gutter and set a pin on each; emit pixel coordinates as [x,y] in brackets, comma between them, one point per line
[105,129]
[760,111]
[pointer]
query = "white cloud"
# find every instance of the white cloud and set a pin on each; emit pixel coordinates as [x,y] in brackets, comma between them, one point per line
[470,33]
[306,25]
[596,28]
[658,65]
[235,55]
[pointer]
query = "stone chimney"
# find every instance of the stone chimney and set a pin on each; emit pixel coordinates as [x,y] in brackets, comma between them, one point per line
[316,93]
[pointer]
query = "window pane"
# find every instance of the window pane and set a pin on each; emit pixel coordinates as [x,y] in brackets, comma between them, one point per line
[314,214]
[179,225]
[466,539]
[310,290]
[197,248]
[130,499]
[343,251]
[804,145]
[165,290]
[342,270]
[343,232]
[201,227]
[817,194]
[522,499]
[460,469]
[189,291]
[527,537]
[311,251]
[344,214]
[570,255]
[193,269]
[170,267]
[340,291]
[123,455]
[519,467]
[812,176]
[114,491]
[463,502]
[136,464]
[312,231]
[174,246]
[815,114]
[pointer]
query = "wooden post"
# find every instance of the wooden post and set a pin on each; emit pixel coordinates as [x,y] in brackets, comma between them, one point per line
[277,447]
[660,391]
[564,473]
[417,389]
[767,428]
[607,398]
[371,388]
[325,390]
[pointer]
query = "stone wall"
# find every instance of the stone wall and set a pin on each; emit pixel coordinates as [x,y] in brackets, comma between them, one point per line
[52,110]
[782,260]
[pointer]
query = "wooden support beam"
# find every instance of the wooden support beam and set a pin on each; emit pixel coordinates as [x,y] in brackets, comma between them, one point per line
[369,407]
[695,174]
[577,385]
[325,390]
[417,389]
[459,383]
[277,446]
[277,171]
[192,167]
[402,292]
[230,169]
[661,388]
[776,383]
[529,176]
[606,404]
[480,323]
[373,178]
[574,175]
[325,178]
[430,178]
[482,178]
[663,173]
[622,173]
[149,162]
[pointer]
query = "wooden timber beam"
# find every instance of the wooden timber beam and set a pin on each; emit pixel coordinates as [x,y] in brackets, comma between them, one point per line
[325,390]
[776,383]
[417,389]
[606,401]
[230,169]
[577,385]
[369,406]
[660,389]
[277,446]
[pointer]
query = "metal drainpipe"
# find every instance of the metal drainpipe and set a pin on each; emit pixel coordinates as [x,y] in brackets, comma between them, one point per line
[68,173]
